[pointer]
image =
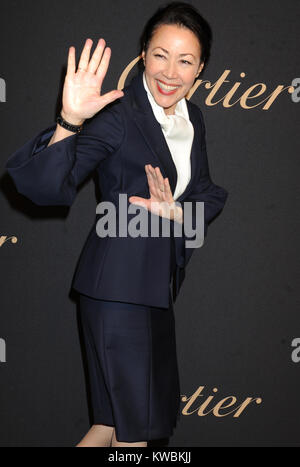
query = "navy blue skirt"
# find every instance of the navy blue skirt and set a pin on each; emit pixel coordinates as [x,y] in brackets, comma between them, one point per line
[133,371]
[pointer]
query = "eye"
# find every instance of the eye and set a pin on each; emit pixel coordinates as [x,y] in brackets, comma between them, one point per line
[183,61]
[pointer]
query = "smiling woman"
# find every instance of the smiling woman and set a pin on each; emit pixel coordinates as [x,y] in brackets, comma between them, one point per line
[169,77]
[175,47]
[147,142]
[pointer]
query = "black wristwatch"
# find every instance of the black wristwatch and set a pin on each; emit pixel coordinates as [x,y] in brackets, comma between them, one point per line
[68,126]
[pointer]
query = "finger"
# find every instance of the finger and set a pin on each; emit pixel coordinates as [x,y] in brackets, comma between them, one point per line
[109,97]
[154,192]
[139,201]
[156,183]
[159,184]
[160,179]
[153,174]
[85,55]
[96,57]
[71,61]
[103,66]
[168,191]
[149,177]
[152,181]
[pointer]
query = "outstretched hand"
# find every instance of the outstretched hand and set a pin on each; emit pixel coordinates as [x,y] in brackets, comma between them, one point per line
[161,201]
[82,96]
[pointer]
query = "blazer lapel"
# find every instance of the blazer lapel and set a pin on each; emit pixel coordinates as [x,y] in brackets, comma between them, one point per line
[195,149]
[151,130]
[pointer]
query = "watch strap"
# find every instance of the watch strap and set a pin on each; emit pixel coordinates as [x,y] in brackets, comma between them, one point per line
[68,126]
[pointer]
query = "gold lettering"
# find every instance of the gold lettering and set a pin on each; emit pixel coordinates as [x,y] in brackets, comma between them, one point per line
[4,239]
[221,405]
[125,73]
[196,86]
[274,94]
[217,85]
[245,403]
[228,96]
[246,95]
[191,401]
[205,404]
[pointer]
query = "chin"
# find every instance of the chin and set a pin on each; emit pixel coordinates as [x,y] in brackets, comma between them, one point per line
[166,103]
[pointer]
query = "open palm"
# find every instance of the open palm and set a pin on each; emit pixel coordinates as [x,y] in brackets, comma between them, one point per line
[161,201]
[82,88]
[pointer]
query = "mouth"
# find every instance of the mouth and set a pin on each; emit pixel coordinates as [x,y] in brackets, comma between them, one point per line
[166,89]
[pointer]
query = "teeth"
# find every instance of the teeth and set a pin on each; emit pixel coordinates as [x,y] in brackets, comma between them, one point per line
[166,87]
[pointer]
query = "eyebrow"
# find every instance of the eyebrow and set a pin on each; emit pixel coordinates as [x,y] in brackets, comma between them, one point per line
[181,55]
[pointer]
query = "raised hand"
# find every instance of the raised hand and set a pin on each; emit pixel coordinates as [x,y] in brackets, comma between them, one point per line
[82,88]
[161,201]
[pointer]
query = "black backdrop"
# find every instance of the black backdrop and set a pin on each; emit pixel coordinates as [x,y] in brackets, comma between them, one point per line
[237,316]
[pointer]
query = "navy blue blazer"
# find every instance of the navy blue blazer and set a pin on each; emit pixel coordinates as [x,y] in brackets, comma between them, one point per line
[118,142]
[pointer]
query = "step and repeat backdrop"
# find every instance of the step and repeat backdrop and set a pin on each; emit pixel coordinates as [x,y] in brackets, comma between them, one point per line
[237,315]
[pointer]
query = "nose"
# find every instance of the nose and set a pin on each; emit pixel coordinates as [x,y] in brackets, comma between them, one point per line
[170,71]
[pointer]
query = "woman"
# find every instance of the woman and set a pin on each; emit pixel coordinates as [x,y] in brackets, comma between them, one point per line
[147,142]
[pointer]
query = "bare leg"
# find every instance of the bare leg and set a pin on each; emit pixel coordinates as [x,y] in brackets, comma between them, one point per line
[97,436]
[115,442]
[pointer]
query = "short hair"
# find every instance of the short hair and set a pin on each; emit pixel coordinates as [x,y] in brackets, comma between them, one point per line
[181,14]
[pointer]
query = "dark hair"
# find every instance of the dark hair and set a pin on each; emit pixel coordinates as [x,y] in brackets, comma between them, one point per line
[181,14]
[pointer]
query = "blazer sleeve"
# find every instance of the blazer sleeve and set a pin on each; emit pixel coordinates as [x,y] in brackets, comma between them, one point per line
[51,175]
[213,196]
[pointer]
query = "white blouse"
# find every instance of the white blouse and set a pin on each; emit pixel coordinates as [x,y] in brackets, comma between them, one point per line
[179,133]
